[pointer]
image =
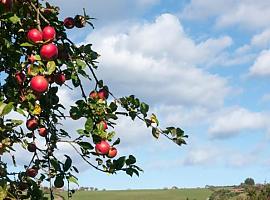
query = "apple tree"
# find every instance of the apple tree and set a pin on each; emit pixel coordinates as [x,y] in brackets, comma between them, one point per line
[37,58]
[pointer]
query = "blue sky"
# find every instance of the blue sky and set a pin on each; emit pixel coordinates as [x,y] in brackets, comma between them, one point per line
[202,65]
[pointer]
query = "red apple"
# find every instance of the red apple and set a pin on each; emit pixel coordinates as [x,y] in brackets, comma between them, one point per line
[20,77]
[48,33]
[112,152]
[102,147]
[32,172]
[69,23]
[42,132]
[103,94]
[34,35]
[39,84]
[31,58]
[103,125]
[31,147]
[49,51]
[93,94]
[60,78]
[32,124]
[7,4]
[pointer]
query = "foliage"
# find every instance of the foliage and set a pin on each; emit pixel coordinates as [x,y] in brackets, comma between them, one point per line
[249,181]
[22,60]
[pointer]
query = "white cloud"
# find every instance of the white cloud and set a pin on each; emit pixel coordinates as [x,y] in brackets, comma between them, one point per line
[261,66]
[262,39]
[144,57]
[202,156]
[235,120]
[245,13]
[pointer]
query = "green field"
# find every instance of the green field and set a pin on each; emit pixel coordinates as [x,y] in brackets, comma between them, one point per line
[178,194]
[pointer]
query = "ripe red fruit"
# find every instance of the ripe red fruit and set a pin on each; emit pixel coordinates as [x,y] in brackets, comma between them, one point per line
[42,132]
[112,152]
[93,94]
[60,78]
[49,51]
[39,84]
[20,77]
[103,94]
[31,147]
[103,125]
[32,124]
[48,33]
[69,23]
[7,4]
[102,147]
[32,172]
[34,35]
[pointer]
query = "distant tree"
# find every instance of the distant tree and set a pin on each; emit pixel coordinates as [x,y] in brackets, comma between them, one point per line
[249,181]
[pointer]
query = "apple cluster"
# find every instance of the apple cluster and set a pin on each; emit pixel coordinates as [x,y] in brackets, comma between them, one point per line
[39,83]
[78,21]
[103,147]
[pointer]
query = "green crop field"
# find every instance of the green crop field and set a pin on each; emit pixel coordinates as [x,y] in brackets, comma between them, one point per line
[178,194]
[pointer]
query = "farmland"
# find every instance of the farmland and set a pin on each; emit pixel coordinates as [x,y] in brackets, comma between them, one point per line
[177,194]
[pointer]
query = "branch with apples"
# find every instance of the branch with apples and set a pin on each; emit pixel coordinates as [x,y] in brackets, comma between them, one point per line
[36,59]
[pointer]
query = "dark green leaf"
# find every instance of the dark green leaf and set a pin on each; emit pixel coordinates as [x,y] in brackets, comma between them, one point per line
[116,142]
[155,132]
[67,164]
[86,145]
[131,160]
[119,163]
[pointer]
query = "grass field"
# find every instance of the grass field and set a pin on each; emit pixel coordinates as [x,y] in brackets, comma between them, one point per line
[179,194]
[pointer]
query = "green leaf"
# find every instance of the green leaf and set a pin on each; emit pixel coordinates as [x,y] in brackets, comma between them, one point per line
[26,44]
[75,80]
[155,132]
[86,145]
[51,66]
[6,109]
[132,114]
[144,109]
[119,163]
[89,125]
[129,171]
[75,113]
[37,57]
[67,164]
[14,19]
[131,160]
[113,106]
[73,179]
[80,131]
[21,111]
[80,63]
[116,142]
[16,122]
[110,135]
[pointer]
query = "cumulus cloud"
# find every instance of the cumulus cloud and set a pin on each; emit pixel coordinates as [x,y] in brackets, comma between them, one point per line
[202,156]
[139,59]
[261,66]
[236,120]
[249,14]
